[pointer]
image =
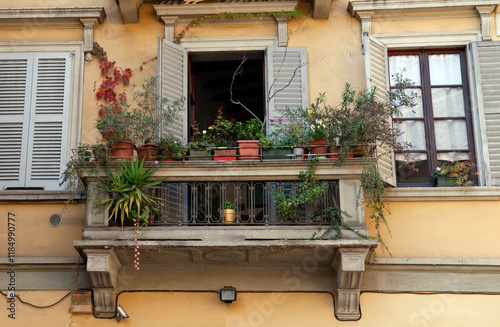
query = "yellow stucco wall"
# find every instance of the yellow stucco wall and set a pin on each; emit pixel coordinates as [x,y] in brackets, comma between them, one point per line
[272,310]
[35,237]
[446,229]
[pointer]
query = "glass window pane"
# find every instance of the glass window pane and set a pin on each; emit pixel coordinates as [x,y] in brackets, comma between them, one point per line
[413,132]
[448,102]
[451,134]
[445,69]
[452,156]
[412,168]
[406,65]
[416,111]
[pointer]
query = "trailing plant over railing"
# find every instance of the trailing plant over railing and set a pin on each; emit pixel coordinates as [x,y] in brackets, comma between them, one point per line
[310,189]
[225,15]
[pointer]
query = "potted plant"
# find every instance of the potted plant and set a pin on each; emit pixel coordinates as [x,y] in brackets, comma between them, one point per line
[200,147]
[457,172]
[248,134]
[228,212]
[152,114]
[221,134]
[276,144]
[126,187]
[318,126]
[171,148]
[115,125]
[296,130]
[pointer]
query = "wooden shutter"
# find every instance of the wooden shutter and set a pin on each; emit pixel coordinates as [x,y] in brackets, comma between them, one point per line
[286,79]
[174,82]
[376,77]
[15,70]
[49,120]
[34,89]
[488,82]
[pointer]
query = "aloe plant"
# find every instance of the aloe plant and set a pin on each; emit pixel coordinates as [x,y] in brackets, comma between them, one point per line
[126,188]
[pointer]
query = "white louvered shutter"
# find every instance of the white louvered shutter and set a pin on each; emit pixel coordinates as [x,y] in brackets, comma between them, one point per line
[286,79]
[173,70]
[489,82]
[15,70]
[35,119]
[376,77]
[174,83]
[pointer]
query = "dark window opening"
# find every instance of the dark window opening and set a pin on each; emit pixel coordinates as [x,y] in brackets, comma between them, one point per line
[210,78]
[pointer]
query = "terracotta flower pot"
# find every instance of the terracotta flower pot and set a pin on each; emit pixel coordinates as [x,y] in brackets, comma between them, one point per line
[224,155]
[123,150]
[148,152]
[318,147]
[249,149]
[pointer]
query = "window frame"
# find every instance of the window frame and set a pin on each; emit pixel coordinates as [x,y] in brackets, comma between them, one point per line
[427,107]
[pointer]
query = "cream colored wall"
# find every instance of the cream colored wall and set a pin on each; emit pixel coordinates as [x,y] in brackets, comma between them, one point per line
[442,229]
[35,237]
[431,25]
[272,310]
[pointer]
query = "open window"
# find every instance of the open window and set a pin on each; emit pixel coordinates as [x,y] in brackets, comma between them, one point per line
[273,78]
[212,78]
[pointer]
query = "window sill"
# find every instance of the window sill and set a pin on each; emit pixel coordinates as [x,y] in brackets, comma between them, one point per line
[37,196]
[472,193]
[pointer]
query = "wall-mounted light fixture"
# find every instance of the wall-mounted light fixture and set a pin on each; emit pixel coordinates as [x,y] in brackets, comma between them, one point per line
[120,313]
[227,294]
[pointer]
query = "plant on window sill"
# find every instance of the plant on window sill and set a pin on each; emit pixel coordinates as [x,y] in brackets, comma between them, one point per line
[459,171]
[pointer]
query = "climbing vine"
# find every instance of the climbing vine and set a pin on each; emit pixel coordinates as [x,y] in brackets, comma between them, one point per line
[225,15]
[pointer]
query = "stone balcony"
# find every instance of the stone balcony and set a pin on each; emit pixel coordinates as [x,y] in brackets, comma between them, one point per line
[191,248]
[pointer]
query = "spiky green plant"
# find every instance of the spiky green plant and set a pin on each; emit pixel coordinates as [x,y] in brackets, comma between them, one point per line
[127,189]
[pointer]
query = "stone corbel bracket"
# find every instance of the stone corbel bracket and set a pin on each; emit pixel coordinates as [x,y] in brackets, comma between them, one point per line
[349,265]
[484,13]
[103,266]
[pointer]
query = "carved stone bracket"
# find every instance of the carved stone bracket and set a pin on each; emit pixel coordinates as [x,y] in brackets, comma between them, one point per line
[88,36]
[282,31]
[169,26]
[102,266]
[365,17]
[349,265]
[484,13]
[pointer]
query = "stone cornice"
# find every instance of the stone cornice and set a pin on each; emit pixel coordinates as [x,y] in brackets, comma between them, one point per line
[200,9]
[415,194]
[54,17]
[417,9]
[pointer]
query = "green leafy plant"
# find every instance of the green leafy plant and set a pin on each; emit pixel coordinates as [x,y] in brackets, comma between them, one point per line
[171,147]
[227,205]
[460,167]
[309,190]
[277,137]
[153,112]
[248,130]
[221,132]
[127,187]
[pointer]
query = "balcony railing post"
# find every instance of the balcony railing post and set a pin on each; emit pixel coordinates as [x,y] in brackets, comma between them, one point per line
[96,215]
[350,200]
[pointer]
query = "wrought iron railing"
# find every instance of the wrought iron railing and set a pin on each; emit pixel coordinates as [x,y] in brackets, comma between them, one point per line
[200,203]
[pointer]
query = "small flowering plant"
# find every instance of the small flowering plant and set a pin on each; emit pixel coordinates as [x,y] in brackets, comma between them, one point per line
[221,132]
[277,138]
[460,168]
[172,147]
[317,122]
[201,138]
